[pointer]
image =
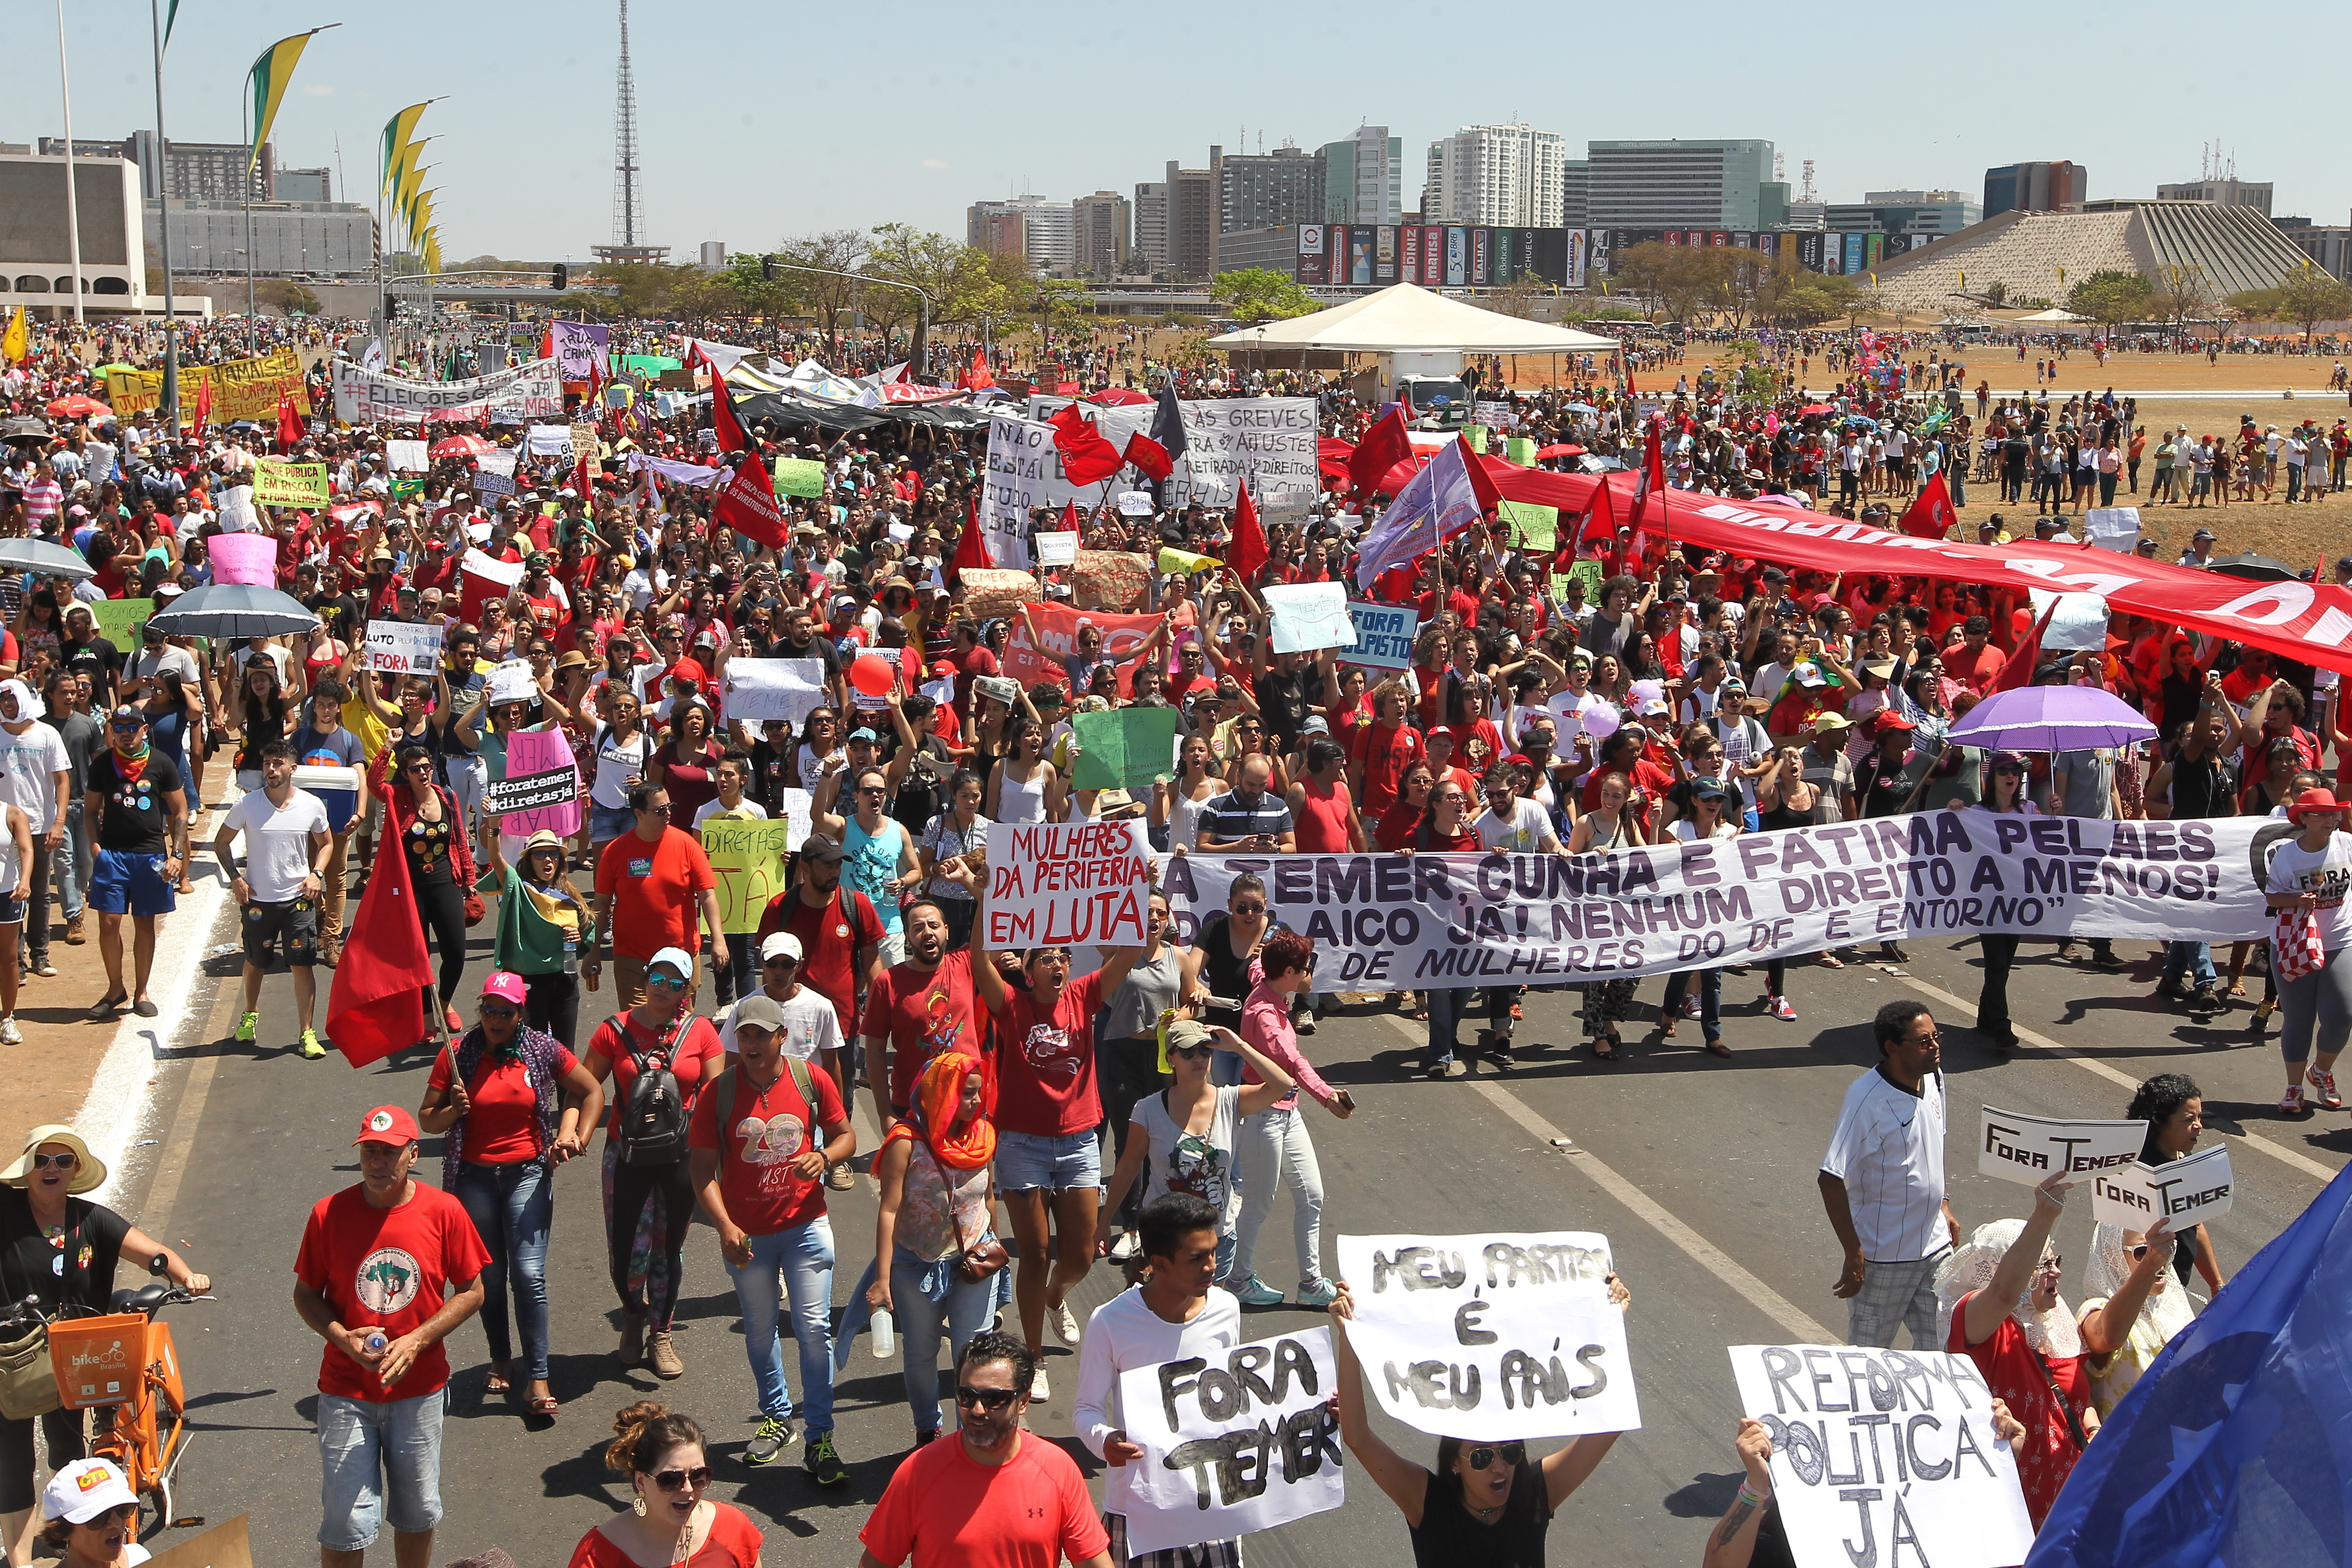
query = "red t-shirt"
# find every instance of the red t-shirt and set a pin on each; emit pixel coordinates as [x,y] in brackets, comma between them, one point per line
[945,1510]
[503,1128]
[656,890]
[388,1268]
[1383,752]
[733,1542]
[922,1015]
[764,1194]
[699,1055]
[2046,1454]
[1045,1077]
[831,933]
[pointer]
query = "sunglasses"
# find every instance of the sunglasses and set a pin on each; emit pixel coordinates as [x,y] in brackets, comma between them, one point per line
[1250,908]
[671,1480]
[654,810]
[488,1012]
[1191,1053]
[2056,1263]
[2137,1253]
[1513,1454]
[671,981]
[56,1161]
[130,728]
[985,1398]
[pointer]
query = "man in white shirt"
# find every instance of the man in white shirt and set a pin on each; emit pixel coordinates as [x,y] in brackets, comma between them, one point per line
[1882,1183]
[287,841]
[811,1026]
[36,777]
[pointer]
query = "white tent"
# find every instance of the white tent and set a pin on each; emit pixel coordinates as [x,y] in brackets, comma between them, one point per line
[2052,314]
[1410,318]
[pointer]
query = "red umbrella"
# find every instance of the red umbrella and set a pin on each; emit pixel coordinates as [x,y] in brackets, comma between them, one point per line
[78,407]
[1560,449]
[1119,397]
[461,447]
[1818,409]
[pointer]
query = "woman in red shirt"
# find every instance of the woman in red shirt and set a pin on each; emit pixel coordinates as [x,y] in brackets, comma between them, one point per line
[674,1519]
[1445,829]
[516,1105]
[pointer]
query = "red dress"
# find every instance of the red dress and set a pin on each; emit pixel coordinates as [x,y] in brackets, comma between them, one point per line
[733,1542]
[2046,1454]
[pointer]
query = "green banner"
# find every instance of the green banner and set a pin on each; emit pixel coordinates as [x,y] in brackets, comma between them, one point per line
[118,621]
[800,477]
[1126,748]
[289,484]
[1533,527]
[1591,572]
[1520,450]
[1477,434]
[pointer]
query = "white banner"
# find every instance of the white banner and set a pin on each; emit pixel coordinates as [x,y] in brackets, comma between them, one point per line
[1059,549]
[2114,528]
[1061,885]
[397,647]
[1384,922]
[1497,415]
[2079,621]
[1309,617]
[494,473]
[786,688]
[2186,1191]
[407,456]
[550,441]
[1269,441]
[1020,451]
[364,397]
[509,680]
[1884,1456]
[2031,1149]
[1491,1336]
[1235,1449]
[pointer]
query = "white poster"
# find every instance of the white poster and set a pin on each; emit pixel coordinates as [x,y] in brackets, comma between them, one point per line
[2114,528]
[494,473]
[1054,884]
[1232,1448]
[2031,1149]
[1885,1457]
[1058,549]
[363,397]
[1135,504]
[1019,453]
[398,647]
[550,441]
[1309,617]
[1492,1337]
[509,680]
[2080,621]
[1269,441]
[2186,1191]
[407,456]
[759,689]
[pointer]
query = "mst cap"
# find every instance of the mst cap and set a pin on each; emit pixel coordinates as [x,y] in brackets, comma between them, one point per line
[387,1125]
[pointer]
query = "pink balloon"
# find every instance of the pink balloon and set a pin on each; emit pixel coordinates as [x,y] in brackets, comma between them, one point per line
[1601,721]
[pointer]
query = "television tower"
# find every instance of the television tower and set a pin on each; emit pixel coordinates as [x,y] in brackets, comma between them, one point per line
[629,202]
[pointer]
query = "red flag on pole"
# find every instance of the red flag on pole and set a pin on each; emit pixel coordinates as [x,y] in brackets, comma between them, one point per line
[2019,671]
[1088,458]
[376,1005]
[972,550]
[1248,554]
[1069,517]
[730,430]
[977,378]
[581,471]
[1930,513]
[289,423]
[1384,446]
[1149,455]
[204,405]
[748,505]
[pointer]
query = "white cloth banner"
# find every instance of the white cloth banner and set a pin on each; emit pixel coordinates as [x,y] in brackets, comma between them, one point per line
[1020,452]
[1884,1456]
[397,647]
[2032,1148]
[363,397]
[550,441]
[1234,1448]
[1494,1337]
[2079,622]
[1053,884]
[494,473]
[1384,922]
[407,456]
[1269,441]
[2113,528]
[1309,617]
[759,689]
[2186,1191]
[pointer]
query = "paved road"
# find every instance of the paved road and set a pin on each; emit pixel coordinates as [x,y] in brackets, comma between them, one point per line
[1700,1171]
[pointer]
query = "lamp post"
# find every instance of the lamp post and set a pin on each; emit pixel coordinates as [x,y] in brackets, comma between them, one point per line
[171,398]
[73,207]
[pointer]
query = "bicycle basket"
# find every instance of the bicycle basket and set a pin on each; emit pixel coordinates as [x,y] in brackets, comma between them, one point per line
[99,1361]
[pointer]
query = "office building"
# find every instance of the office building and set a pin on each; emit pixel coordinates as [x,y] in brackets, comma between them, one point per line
[1685,185]
[2222,192]
[1505,176]
[1267,190]
[2044,187]
[302,185]
[2330,245]
[1275,250]
[713,256]
[1363,177]
[1192,221]
[1029,227]
[1576,193]
[1151,226]
[201,170]
[1101,224]
[288,239]
[36,250]
[1906,212]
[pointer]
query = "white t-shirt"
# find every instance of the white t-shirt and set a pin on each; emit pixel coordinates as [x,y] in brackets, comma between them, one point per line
[811,1025]
[749,811]
[148,663]
[278,841]
[619,764]
[1888,1149]
[30,765]
[2328,872]
[1528,828]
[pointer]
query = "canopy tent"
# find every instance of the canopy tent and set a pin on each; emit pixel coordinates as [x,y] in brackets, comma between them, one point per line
[2052,314]
[1408,318]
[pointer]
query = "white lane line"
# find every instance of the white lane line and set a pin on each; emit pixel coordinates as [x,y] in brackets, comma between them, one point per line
[2279,1151]
[179,1144]
[1650,1212]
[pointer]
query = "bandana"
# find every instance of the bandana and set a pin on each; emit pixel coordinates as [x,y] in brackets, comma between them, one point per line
[932,1111]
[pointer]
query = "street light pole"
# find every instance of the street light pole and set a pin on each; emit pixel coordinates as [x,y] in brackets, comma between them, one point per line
[171,399]
[772,265]
[73,205]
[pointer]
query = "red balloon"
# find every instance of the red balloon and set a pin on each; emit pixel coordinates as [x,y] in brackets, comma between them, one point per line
[872,675]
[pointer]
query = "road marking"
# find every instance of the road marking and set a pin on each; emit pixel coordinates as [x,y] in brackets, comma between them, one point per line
[2279,1151]
[1801,1327]
[172,1163]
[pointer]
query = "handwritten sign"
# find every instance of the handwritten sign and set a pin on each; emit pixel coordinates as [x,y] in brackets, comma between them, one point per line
[1018,453]
[1883,1456]
[1533,527]
[1231,1444]
[400,648]
[511,681]
[2031,1149]
[1492,1337]
[1058,549]
[289,484]
[119,620]
[1309,617]
[249,557]
[2186,1191]
[800,477]
[749,859]
[535,754]
[494,473]
[1063,885]
[1384,634]
[873,702]
[531,791]
[1520,450]
[786,688]
[1135,504]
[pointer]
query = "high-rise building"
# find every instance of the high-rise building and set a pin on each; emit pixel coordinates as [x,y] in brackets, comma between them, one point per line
[1363,177]
[1193,220]
[713,256]
[2227,192]
[197,170]
[1575,193]
[1037,230]
[1152,225]
[1267,190]
[1682,184]
[302,185]
[1904,212]
[1101,223]
[2042,187]
[1505,176]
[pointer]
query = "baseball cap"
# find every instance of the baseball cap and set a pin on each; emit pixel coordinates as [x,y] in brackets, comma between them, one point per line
[676,960]
[866,735]
[1187,1034]
[1889,719]
[781,944]
[1829,722]
[387,1125]
[2203,533]
[1808,674]
[759,1011]
[1316,725]
[821,849]
[1707,789]
[84,1490]
[507,986]
[1651,706]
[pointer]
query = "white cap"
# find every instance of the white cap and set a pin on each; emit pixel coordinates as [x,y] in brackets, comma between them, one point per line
[84,1490]
[781,944]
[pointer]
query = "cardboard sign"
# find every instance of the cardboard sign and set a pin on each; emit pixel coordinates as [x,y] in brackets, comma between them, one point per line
[1533,527]
[800,477]
[1309,616]
[1491,1336]
[1135,504]
[2030,1149]
[749,859]
[494,473]
[221,1546]
[1126,748]
[1054,884]
[1884,1456]
[1520,450]
[511,681]
[398,647]
[1231,1446]
[289,484]
[1384,634]
[1058,549]
[2186,1191]
[1588,572]
[538,752]
[761,688]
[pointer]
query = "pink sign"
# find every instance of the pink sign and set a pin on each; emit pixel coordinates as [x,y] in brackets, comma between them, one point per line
[537,752]
[245,558]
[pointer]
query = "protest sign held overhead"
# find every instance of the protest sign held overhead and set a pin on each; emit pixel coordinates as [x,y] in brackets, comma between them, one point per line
[1384,634]
[511,681]
[1495,1337]
[1059,549]
[1018,452]
[2030,1150]
[2184,1192]
[402,648]
[1885,1457]
[537,755]
[1309,617]
[749,859]
[289,484]
[531,791]
[1067,885]
[758,689]
[1126,748]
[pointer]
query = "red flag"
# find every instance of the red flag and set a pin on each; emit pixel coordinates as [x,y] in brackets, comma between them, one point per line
[1653,478]
[204,405]
[977,378]
[1930,513]
[1246,554]
[1144,453]
[1482,483]
[583,481]
[723,418]
[1069,517]
[547,343]
[1384,446]
[972,550]
[2019,671]
[748,504]
[289,423]
[1087,456]
[376,1005]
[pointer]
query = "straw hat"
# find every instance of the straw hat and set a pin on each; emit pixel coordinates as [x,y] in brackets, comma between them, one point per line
[88,1175]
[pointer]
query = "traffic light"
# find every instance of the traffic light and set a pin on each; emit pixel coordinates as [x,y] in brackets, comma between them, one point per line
[563,276]
[768,267]
[391,306]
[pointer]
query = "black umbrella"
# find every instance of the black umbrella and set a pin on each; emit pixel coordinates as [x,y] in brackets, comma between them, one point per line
[234,610]
[2260,568]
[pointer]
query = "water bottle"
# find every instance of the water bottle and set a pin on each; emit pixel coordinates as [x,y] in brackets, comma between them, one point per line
[374,1341]
[886,1335]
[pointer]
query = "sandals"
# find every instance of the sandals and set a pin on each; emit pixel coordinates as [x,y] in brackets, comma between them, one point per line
[1666,1029]
[497,1384]
[1604,1049]
[108,1007]
[1830,960]
[540,1405]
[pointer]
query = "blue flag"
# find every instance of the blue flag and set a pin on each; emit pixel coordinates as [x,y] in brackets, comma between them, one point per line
[2236,1448]
[1168,422]
[1437,503]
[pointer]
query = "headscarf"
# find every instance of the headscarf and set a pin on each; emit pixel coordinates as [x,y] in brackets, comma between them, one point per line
[2167,1309]
[931,1112]
[1972,1268]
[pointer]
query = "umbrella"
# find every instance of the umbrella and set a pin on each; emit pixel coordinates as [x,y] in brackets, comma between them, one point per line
[2260,568]
[24,428]
[234,610]
[461,447]
[47,559]
[75,405]
[1583,408]
[1860,421]
[2051,719]
[117,365]
[1818,409]
[1119,397]
[1560,449]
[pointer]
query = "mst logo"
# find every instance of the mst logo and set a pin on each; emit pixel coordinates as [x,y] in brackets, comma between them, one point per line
[388,1280]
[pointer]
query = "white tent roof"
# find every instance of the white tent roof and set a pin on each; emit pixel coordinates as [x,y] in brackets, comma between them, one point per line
[2054,314]
[1408,317]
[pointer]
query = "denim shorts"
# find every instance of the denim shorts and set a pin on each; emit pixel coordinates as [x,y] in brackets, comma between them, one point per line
[378,1462]
[1028,1161]
[606,823]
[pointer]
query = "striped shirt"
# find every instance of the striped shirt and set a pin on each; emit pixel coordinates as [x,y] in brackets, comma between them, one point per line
[44,499]
[1228,819]
[1888,1149]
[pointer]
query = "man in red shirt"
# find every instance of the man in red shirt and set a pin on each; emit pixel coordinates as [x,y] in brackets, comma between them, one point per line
[1378,752]
[916,1010]
[1976,663]
[651,883]
[387,1270]
[841,936]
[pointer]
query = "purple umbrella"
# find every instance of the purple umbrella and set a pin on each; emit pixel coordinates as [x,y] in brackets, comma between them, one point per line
[2051,719]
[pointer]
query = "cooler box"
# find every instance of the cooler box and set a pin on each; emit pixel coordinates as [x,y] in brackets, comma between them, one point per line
[338,790]
[99,1361]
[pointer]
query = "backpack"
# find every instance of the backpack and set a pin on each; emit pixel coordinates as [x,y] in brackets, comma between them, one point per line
[654,1114]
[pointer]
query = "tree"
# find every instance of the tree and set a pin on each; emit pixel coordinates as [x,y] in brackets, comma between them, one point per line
[1804,299]
[287,296]
[1751,377]
[837,251]
[1257,294]
[2308,296]
[2183,294]
[1520,297]
[2111,295]
[955,278]
[756,293]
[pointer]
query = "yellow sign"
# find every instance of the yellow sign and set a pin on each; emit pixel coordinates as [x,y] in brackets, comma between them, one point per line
[748,858]
[242,388]
[289,484]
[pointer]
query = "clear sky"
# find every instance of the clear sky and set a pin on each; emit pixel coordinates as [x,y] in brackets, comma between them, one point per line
[759,121]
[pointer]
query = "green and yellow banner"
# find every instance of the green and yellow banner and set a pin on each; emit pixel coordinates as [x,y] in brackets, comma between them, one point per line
[272,73]
[242,388]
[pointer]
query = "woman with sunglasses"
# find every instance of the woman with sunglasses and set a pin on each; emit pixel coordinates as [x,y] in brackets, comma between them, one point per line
[425,820]
[514,1103]
[672,1519]
[622,752]
[2133,1308]
[820,751]
[89,1509]
[1486,1505]
[1217,965]
[2005,794]
[1610,826]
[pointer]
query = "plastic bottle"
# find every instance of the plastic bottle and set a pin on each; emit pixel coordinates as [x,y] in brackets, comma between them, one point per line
[374,1341]
[886,1335]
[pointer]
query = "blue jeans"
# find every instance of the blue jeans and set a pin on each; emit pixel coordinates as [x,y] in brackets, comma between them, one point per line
[961,1309]
[511,1207]
[378,1462]
[1710,1000]
[737,975]
[2193,960]
[803,1256]
[71,860]
[1445,1012]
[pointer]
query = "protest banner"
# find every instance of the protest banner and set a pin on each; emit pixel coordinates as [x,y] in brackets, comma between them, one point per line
[758,689]
[749,860]
[1384,634]
[494,474]
[584,441]
[407,456]
[1126,748]
[1309,617]
[481,578]
[1117,580]
[1232,1443]
[511,681]
[399,648]
[531,791]
[549,441]
[364,396]
[1268,441]
[989,593]
[2186,1192]
[241,388]
[1123,638]
[802,477]
[1019,451]
[2079,621]
[118,621]
[579,348]
[1884,1455]
[1135,504]
[2031,1149]
[1058,549]
[534,754]
[249,557]
[289,484]
[1589,573]
[1382,923]
[1492,1337]
[1494,414]
[1055,884]
[1533,527]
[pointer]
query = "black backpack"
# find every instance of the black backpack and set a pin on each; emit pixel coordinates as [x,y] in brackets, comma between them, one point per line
[654,1114]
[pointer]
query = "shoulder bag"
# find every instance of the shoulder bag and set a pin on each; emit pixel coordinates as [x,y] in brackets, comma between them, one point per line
[28,1383]
[983,1257]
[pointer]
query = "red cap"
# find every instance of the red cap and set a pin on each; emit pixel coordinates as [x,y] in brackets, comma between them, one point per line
[1888,719]
[387,1125]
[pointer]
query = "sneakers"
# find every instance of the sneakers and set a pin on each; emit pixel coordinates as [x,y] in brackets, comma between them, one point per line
[2324,1084]
[662,1355]
[248,1027]
[1316,1293]
[1304,1023]
[10,1034]
[823,1462]
[1499,1053]
[2291,1102]
[310,1046]
[774,1436]
[2205,999]
[1255,1292]
[840,1177]
[43,967]
[2172,991]
[633,1339]
[1066,1324]
[1779,1008]
[1690,1004]
[1040,1390]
